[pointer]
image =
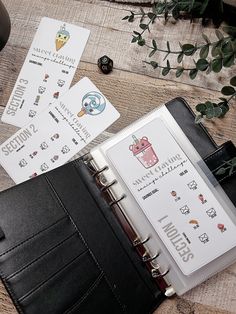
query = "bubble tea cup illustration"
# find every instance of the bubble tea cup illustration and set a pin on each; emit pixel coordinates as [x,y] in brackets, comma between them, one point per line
[143,151]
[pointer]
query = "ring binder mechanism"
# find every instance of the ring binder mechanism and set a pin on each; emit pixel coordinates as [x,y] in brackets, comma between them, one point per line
[147,258]
[105,187]
[96,174]
[116,201]
[137,242]
[156,272]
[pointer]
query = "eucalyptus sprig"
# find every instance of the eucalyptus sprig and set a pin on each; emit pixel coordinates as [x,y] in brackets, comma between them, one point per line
[179,8]
[217,110]
[222,51]
[211,55]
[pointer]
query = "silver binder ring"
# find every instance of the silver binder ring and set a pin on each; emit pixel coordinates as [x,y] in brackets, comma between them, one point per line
[147,258]
[117,200]
[95,174]
[107,186]
[138,241]
[156,273]
[87,158]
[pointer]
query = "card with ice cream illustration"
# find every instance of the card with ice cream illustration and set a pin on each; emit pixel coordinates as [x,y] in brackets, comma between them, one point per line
[58,133]
[48,70]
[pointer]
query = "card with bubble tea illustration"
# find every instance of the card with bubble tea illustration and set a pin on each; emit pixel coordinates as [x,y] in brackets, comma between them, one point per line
[169,190]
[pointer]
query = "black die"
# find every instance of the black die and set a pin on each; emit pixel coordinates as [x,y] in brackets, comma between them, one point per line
[105,64]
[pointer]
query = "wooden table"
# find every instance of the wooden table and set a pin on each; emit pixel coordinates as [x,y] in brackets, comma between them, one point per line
[133,88]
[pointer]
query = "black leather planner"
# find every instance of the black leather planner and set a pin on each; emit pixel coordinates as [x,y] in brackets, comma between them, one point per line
[65,246]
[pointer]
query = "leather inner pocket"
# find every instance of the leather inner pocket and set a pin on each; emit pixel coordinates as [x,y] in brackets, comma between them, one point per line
[62,288]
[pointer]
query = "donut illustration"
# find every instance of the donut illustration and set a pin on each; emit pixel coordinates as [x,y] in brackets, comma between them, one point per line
[93,103]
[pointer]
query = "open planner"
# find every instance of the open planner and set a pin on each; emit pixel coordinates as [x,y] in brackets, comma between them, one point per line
[147,214]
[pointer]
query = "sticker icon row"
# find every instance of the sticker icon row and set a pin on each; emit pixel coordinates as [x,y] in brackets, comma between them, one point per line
[178,198]
[65,149]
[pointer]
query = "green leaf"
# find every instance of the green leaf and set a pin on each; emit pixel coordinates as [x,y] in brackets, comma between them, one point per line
[231,170]
[191,5]
[206,38]
[180,57]
[204,6]
[143,26]
[202,64]
[231,30]
[219,34]
[216,65]
[217,112]
[228,60]
[227,47]
[215,50]
[136,33]
[188,49]
[221,171]
[126,17]
[223,99]
[176,13]
[168,46]
[228,90]
[154,44]
[152,53]
[179,71]
[141,10]
[209,105]
[134,39]
[201,108]
[204,52]
[131,18]
[225,108]
[160,8]
[210,113]
[233,161]
[233,81]
[165,71]
[151,15]
[141,42]
[193,73]
[154,64]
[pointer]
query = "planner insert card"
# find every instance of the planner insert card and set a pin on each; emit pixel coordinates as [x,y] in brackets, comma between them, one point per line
[48,70]
[186,215]
[58,133]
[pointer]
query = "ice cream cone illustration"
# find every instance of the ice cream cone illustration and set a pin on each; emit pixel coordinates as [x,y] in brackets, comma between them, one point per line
[143,151]
[62,37]
[93,103]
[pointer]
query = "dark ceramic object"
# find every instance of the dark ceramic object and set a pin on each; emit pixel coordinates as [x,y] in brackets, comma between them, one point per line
[5,26]
[105,64]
